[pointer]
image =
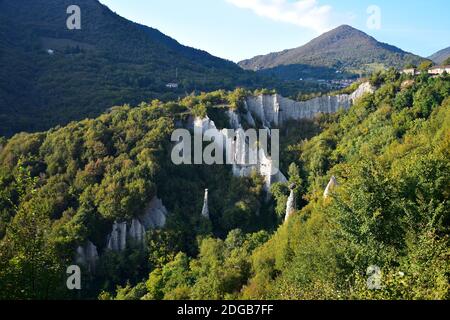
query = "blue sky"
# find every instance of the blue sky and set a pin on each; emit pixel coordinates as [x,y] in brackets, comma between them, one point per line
[240,29]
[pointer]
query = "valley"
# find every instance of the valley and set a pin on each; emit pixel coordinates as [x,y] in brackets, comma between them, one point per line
[97,202]
[143,169]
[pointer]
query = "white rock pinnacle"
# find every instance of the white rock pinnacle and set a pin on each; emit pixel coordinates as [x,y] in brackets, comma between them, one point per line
[331,185]
[290,205]
[205,210]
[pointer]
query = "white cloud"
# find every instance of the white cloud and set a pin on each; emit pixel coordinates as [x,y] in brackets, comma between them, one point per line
[304,13]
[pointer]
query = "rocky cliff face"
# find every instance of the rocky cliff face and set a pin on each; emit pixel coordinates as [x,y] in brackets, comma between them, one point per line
[246,157]
[331,185]
[87,255]
[117,239]
[205,209]
[275,110]
[154,217]
[137,231]
[290,205]
[125,233]
[271,111]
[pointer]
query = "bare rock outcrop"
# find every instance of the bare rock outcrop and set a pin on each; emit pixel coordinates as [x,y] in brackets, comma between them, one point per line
[205,209]
[154,217]
[87,255]
[291,204]
[137,232]
[245,156]
[117,239]
[274,110]
[331,185]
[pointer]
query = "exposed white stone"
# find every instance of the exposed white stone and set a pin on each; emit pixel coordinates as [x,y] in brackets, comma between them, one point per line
[234,119]
[87,255]
[290,205]
[117,239]
[155,215]
[137,231]
[270,110]
[205,209]
[250,158]
[267,169]
[245,156]
[80,257]
[204,124]
[274,110]
[364,88]
[91,254]
[331,185]
[248,116]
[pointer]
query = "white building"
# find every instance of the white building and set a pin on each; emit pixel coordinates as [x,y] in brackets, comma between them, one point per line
[439,70]
[411,71]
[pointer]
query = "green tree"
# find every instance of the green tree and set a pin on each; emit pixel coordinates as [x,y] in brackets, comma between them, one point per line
[425,65]
[30,267]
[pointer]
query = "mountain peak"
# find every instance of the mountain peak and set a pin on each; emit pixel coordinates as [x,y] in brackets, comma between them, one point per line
[344,48]
[343,32]
[344,28]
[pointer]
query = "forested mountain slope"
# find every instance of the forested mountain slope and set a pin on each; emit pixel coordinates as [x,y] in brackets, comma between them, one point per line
[109,61]
[344,49]
[382,233]
[389,154]
[63,187]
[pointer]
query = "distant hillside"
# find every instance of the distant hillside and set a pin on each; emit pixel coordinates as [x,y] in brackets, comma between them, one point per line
[110,61]
[344,49]
[440,56]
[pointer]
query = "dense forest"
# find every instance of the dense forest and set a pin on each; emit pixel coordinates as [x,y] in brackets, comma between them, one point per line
[109,61]
[389,154]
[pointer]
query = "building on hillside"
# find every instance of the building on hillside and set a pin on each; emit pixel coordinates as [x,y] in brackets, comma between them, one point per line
[439,70]
[411,71]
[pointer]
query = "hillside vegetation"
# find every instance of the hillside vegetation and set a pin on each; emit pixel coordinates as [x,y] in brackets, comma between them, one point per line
[389,153]
[68,185]
[109,61]
[390,214]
